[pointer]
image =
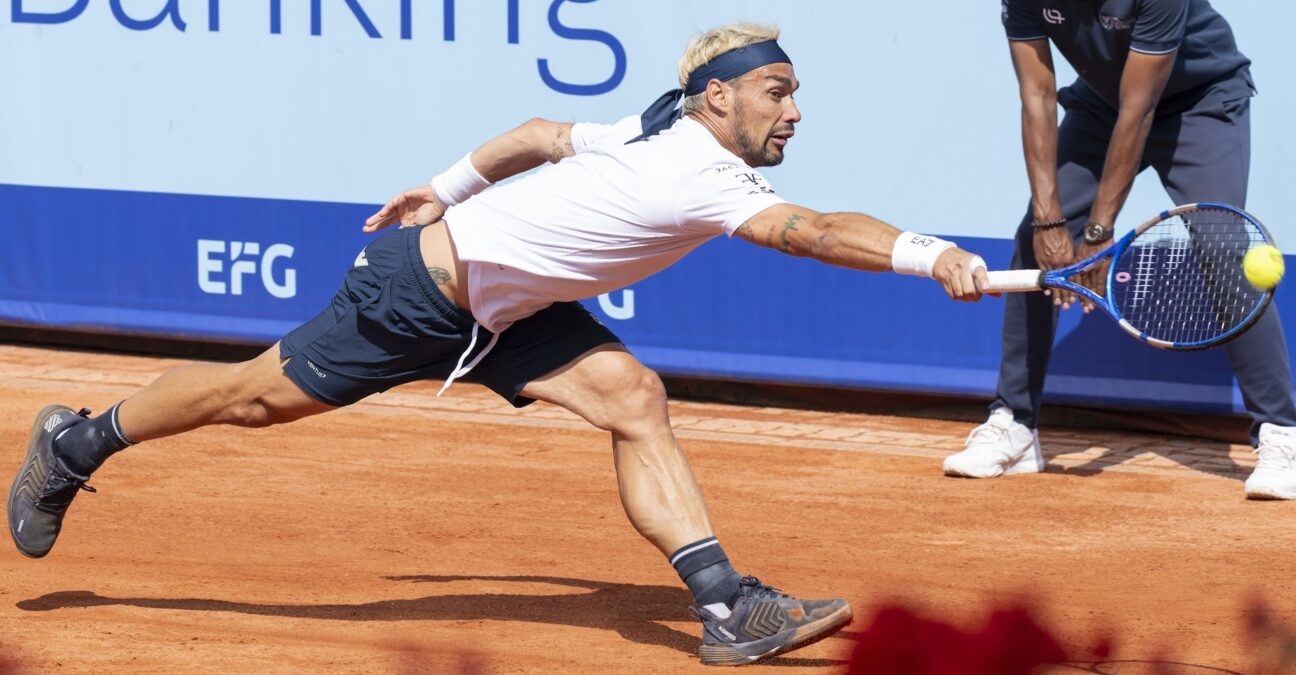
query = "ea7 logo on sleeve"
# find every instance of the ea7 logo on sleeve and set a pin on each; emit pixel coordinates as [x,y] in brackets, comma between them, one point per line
[755,182]
[245,259]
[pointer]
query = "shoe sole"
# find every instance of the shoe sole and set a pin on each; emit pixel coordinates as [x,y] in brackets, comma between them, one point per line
[1271,484]
[1270,495]
[802,636]
[28,460]
[1022,465]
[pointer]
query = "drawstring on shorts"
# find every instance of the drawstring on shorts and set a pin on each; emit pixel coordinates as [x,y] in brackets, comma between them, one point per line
[460,369]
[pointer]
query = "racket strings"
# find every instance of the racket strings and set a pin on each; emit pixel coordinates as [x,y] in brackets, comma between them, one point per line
[1181,279]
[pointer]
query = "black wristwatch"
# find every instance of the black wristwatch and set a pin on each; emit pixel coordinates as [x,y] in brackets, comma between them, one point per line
[1096,233]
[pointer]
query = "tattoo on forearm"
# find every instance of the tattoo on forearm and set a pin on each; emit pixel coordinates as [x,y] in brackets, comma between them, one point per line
[562,147]
[789,225]
[440,276]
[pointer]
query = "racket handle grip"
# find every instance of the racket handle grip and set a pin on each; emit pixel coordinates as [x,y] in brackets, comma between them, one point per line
[1014,281]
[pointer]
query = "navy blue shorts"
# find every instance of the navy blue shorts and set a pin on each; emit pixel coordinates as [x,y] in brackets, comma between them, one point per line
[389,324]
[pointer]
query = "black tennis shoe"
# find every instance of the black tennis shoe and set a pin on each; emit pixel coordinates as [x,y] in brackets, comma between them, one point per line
[44,487]
[764,623]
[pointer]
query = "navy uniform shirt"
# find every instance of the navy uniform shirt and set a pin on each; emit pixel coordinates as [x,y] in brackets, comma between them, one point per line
[1096,36]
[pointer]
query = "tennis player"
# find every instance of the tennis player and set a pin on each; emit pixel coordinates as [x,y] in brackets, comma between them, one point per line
[488,294]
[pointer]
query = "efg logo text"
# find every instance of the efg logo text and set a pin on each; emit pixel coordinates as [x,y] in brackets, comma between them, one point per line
[245,259]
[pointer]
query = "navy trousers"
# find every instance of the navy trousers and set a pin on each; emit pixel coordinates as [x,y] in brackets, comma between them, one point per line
[1200,155]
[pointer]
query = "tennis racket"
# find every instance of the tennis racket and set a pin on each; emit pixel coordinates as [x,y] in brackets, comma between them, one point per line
[1175,281]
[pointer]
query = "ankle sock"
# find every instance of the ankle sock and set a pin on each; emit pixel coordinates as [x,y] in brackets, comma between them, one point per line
[86,446]
[705,569]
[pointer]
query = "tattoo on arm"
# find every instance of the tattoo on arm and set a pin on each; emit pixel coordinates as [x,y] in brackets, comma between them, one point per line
[562,146]
[440,276]
[788,225]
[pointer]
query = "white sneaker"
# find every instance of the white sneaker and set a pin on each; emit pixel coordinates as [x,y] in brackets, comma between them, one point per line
[1000,447]
[1275,473]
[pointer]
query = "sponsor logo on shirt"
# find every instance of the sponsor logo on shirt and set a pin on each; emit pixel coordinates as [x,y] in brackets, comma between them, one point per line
[1053,16]
[756,182]
[753,181]
[1115,22]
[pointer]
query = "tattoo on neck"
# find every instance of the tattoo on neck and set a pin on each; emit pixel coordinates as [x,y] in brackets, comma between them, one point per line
[440,276]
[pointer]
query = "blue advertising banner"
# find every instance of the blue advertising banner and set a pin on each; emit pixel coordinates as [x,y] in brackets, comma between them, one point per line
[246,269]
[175,265]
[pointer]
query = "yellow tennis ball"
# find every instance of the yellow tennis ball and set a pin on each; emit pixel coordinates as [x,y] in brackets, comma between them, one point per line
[1263,266]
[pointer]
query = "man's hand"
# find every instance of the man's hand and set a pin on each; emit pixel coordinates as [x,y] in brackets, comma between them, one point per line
[1054,249]
[415,206]
[962,274]
[1094,278]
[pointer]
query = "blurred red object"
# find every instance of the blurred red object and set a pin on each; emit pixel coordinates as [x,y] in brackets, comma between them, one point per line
[898,642]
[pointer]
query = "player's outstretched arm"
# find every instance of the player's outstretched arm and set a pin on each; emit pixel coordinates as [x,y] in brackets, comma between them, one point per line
[516,151]
[862,242]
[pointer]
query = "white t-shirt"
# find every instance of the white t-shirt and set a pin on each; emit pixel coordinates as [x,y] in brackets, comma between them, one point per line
[603,219]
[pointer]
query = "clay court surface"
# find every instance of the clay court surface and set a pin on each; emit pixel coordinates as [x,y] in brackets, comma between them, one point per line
[411,533]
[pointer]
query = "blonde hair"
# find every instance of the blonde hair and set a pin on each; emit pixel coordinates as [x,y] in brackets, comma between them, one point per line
[715,42]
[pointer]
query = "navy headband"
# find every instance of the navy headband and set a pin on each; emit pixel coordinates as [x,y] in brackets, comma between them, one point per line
[733,63]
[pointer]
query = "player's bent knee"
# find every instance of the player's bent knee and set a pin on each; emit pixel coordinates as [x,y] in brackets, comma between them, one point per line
[260,413]
[638,394]
[257,398]
[632,381]
[249,415]
[647,388]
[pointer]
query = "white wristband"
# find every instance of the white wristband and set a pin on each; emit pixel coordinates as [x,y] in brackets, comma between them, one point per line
[459,182]
[915,253]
